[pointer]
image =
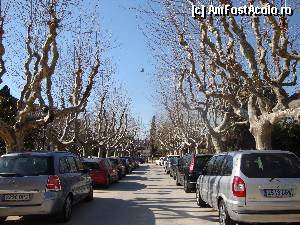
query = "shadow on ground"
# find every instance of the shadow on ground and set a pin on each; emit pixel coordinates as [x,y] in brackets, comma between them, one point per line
[105,211]
[127,186]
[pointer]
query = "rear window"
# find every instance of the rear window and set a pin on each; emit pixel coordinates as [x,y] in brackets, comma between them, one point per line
[91,165]
[174,160]
[114,161]
[266,165]
[26,166]
[201,162]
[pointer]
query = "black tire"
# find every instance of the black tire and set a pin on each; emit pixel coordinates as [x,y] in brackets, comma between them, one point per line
[120,176]
[199,200]
[2,219]
[186,187]
[174,176]
[107,183]
[177,181]
[66,212]
[90,196]
[224,218]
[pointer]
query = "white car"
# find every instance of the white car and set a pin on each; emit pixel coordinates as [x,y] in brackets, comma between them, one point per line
[157,162]
[252,186]
[160,161]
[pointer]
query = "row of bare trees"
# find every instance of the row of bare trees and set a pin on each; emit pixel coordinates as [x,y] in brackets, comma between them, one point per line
[226,71]
[66,89]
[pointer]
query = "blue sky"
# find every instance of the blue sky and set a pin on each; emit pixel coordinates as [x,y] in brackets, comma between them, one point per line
[131,55]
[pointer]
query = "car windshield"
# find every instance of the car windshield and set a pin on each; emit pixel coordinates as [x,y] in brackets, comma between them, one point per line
[173,160]
[91,165]
[201,162]
[26,166]
[266,165]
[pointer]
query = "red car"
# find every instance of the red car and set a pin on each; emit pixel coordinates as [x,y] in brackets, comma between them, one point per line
[101,171]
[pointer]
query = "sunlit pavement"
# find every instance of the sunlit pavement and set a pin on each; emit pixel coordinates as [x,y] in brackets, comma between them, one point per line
[146,197]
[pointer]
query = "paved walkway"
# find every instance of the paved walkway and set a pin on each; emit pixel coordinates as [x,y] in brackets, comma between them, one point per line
[146,197]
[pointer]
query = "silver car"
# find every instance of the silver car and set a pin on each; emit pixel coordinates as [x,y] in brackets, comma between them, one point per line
[252,187]
[36,183]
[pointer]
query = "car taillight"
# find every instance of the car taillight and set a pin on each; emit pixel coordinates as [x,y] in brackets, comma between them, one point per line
[192,165]
[53,183]
[238,187]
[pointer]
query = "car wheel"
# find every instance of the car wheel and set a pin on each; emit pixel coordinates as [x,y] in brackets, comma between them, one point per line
[90,196]
[186,186]
[108,182]
[224,217]
[2,219]
[177,181]
[199,200]
[66,213]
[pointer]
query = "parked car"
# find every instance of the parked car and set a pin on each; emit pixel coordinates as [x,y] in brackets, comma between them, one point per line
[126,163]
[42,183]
[189,168]
[173,165]
[164,161]
[161,161]
[101,171]
[169,161]
[158,161]
[118,165]
[142,159]
[252,187]
[136,162]
[132,163]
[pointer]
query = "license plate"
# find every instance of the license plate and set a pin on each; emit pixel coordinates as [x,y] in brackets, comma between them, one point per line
[17,197]
[278,193]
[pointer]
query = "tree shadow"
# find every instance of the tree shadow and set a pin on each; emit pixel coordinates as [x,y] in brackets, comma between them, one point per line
[127,186]
[143,168]
[135,177]
[101,211]
[163,207]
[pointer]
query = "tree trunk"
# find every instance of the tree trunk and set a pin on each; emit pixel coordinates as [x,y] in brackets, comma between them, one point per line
[261,131]
[83,152]
[14,143]
[216,141]
[99,153]
[209,145]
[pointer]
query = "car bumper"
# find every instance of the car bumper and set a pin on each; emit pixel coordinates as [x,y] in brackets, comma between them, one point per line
[49,206]
[266,217]
[264,213]
[100,181]
[192,181]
